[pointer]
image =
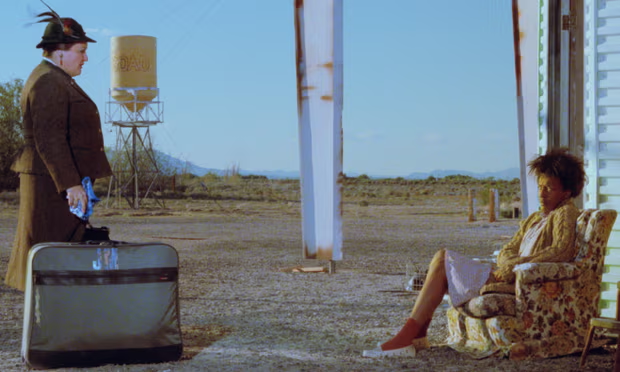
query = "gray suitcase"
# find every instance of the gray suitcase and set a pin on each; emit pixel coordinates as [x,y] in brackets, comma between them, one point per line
[94,303]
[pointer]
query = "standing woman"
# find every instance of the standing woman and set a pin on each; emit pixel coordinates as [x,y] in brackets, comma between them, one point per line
[63,144]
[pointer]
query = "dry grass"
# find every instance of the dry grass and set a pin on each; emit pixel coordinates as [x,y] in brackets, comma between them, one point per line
[361,190]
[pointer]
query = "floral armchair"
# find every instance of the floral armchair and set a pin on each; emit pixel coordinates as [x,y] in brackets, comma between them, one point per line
[549,313]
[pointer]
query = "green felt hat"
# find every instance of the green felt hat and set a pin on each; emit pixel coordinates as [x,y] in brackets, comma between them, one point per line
[64,31]
[61,30]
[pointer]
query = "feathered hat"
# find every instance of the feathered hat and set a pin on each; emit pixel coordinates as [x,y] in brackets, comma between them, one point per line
[61,30]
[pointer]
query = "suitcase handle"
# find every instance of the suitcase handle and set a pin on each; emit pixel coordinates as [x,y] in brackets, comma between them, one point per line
[111,243]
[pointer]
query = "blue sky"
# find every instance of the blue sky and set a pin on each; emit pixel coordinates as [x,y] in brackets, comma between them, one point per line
[427,85]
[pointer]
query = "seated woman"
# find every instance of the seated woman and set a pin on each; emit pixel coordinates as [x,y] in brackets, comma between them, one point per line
[545,236]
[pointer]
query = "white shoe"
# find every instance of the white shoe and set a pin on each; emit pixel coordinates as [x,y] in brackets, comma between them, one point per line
[418,343]
[378,353]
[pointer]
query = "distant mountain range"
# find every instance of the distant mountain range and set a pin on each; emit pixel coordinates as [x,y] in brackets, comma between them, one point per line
[506,174]
[182,166]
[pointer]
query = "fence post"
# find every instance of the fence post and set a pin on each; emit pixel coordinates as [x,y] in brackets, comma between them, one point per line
[492,206]
[472,205]
[498,207]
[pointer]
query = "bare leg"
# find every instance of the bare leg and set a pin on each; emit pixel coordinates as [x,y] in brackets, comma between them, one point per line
[431,295]
[435,287]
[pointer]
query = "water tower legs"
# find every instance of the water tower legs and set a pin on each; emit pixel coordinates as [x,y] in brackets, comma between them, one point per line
[135,168]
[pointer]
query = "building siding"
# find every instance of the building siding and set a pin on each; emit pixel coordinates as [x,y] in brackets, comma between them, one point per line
[602,128]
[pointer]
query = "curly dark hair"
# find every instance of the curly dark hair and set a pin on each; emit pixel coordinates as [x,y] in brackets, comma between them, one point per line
[559,163]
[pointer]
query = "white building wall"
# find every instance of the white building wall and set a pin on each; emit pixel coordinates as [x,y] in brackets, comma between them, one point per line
[602,128]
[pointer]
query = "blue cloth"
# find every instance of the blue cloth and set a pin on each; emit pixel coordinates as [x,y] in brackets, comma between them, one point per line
[92,200]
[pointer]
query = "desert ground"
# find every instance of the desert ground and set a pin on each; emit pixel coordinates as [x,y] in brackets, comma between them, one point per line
[242,310]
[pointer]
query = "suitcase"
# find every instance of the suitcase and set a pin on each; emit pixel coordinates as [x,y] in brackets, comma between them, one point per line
[95,303]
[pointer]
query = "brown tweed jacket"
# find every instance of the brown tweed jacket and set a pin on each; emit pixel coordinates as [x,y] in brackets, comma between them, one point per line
[62,130]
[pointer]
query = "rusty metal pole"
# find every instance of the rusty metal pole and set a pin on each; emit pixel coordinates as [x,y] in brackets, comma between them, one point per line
[526,22]
[319,59]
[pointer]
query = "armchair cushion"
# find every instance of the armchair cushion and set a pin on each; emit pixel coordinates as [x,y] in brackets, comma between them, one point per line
[489,305]
[529,273]
[496,304]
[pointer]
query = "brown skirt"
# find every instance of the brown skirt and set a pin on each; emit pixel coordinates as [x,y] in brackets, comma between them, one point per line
[44,216]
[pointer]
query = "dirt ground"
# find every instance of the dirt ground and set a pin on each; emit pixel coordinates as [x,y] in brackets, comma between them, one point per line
[240,312]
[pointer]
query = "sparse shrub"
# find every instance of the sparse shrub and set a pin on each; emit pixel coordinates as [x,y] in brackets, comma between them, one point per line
[482,196]
[459,179]
[363,178]
[211,177]
[395,193]
[11,138]
[254,177]
[232,171]
[505,213]
[187,176]
[400,181]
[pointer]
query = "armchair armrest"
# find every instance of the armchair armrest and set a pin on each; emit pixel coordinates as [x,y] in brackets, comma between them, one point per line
[540,272]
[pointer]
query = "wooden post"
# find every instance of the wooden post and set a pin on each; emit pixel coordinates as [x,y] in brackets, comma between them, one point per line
[492,205]
[332,267]
[472,205]
[497,205]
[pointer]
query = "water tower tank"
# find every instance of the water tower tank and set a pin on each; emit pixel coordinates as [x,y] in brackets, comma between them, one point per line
[134,65]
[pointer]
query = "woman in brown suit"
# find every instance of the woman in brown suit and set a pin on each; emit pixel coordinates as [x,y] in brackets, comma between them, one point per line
[63,144]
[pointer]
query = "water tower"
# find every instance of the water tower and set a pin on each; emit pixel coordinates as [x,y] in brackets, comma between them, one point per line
[133,108]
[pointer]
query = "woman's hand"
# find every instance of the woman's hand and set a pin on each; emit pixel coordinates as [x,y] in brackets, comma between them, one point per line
[504,274]
[77,194]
